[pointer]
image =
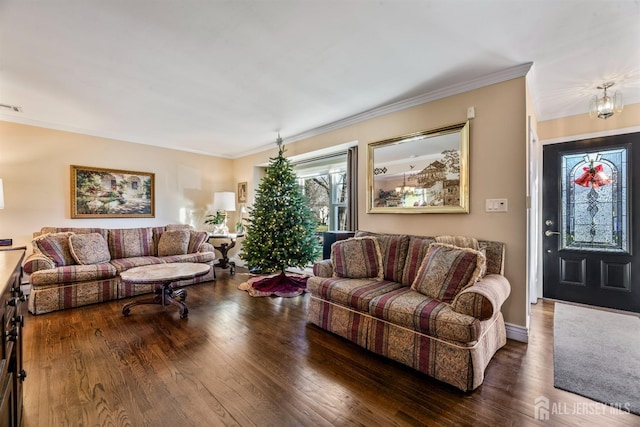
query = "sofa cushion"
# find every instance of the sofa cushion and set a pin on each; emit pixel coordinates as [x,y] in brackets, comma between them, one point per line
[124,264]
[354,293]
[89,248]
[55,246]
[175,242]
[174,227]
[416,251]
[196,239]
[357,258]
[130,242]
[76,230]
[73,273]
[393,248]
[418,312]
[197,257]
[460,241]
[447,270]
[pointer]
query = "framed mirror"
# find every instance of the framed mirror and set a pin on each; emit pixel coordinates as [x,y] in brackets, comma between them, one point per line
[424,172]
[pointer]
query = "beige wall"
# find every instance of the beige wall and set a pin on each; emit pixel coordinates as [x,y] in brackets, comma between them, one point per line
[498,170]
[580,125]
[35,167]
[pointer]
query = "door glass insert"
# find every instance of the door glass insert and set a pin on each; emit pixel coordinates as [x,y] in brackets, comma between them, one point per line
[594,201]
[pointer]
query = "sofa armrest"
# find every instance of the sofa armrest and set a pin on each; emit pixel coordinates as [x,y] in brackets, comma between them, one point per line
[323,268]
[206,247]
[483,299]
[36,262]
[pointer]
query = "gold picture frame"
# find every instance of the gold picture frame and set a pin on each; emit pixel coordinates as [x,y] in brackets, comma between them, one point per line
[423,172]
[111,193]
[242,192]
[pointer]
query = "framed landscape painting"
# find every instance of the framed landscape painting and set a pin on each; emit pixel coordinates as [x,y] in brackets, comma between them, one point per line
[111,193]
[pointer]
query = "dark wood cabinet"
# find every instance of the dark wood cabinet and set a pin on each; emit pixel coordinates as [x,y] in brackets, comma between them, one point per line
[11,372]
[330,237]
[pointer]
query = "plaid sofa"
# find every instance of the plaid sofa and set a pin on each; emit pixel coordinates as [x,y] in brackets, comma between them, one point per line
[452,342]
[58,282]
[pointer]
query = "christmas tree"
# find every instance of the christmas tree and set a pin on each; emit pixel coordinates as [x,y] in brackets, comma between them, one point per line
[281,227]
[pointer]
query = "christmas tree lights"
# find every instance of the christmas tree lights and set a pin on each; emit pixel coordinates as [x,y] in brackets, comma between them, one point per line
[281,227]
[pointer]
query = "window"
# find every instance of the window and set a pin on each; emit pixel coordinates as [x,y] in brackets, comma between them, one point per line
[595,202]
[324,182]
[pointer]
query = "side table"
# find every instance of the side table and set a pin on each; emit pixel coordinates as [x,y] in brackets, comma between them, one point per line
[224,248]
[13,248]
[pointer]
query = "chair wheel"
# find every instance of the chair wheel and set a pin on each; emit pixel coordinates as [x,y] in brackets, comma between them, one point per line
[180,294]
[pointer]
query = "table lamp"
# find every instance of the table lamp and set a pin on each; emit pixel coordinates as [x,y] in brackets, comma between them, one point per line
[224,201]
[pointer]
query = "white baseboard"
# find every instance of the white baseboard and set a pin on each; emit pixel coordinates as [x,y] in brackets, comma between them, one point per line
[517,332]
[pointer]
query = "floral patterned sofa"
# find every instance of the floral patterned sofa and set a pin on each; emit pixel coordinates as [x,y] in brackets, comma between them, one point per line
[432,303]
[73,267]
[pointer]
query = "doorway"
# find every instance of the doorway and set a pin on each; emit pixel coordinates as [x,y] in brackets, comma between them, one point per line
[590,232]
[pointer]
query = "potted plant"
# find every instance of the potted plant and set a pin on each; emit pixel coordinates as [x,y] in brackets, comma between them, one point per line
[215,221]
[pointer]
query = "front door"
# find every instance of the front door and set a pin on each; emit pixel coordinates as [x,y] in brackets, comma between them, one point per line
[591,237]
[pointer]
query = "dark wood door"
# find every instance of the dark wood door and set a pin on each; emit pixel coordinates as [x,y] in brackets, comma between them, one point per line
[591,234]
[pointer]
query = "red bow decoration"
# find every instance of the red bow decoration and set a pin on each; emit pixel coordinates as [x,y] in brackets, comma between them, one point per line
[594,176]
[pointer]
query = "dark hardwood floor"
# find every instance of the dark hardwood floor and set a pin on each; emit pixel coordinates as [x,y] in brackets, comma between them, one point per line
[246,361]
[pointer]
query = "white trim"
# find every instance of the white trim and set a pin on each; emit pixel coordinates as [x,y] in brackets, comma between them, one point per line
[611,132]
[517,332]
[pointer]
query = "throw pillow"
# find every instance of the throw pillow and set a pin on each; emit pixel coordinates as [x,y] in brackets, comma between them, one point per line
[55,246]
[196,239]
[174,242]
[465,242]
[446,270]
[130,242]
[90,248]
[357,258]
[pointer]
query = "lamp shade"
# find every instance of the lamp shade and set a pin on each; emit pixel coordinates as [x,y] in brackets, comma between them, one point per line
[224,201]
[1,195]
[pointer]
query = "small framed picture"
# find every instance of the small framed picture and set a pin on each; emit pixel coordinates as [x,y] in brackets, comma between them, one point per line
[242,192]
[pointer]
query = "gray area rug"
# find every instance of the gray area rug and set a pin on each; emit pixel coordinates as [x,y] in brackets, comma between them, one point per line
[596,354]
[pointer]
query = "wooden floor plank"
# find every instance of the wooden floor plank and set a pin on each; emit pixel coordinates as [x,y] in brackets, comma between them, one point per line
[243,361]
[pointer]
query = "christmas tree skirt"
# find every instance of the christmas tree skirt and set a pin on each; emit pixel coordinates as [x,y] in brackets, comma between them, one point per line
[280,285]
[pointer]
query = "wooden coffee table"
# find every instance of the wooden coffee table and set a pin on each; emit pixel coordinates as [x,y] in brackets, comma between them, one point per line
[164,277]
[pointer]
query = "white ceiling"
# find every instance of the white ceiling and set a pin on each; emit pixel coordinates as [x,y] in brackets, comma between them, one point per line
[223,77]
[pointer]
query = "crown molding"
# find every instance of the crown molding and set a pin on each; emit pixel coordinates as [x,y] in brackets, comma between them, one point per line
[455,89]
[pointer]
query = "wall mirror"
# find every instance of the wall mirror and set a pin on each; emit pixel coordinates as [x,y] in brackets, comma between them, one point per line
[424,172]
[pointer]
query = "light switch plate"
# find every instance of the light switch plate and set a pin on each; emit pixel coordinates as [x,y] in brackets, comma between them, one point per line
[496,205]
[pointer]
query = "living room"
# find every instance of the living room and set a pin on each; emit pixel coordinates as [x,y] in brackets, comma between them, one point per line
[36,161]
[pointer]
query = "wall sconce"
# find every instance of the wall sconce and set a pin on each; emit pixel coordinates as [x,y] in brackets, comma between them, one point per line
[604,107]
